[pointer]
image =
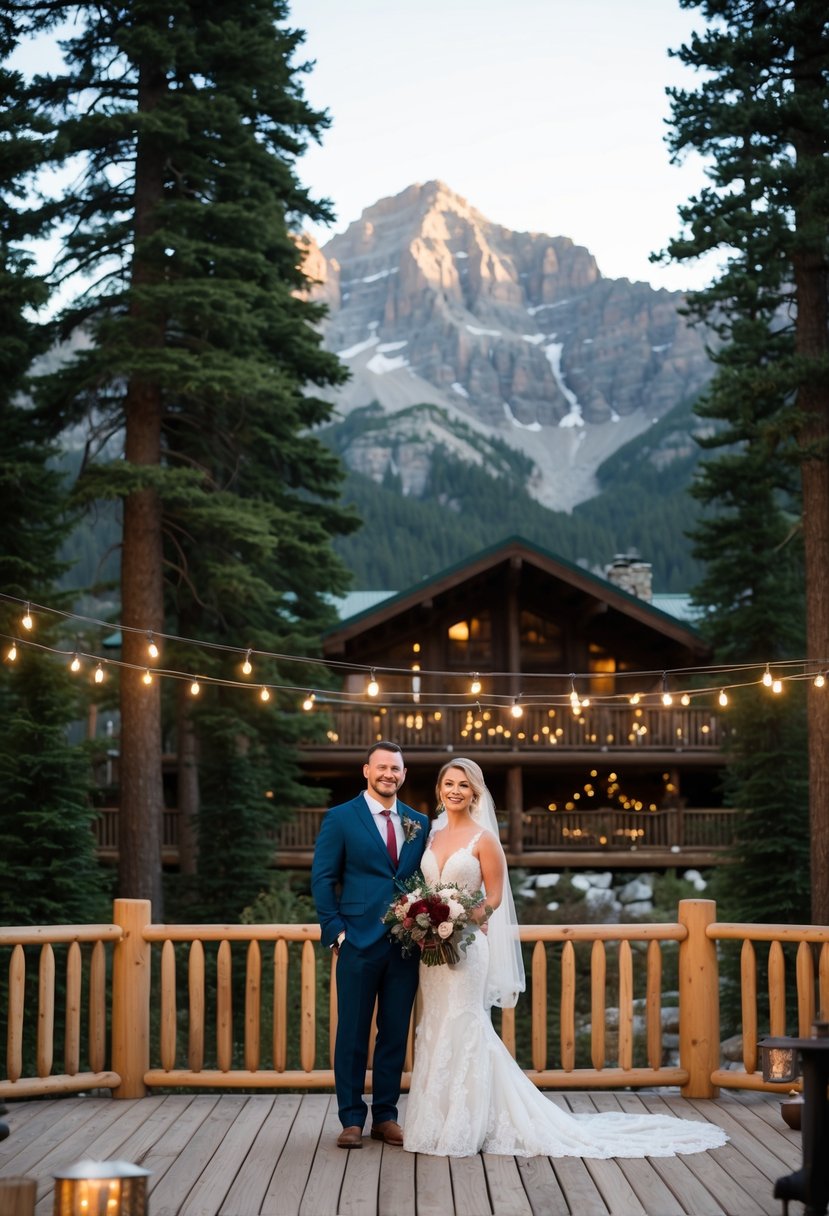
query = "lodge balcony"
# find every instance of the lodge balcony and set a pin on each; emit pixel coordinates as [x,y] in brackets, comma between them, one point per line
[623,730]
[212,1047]
[606,837]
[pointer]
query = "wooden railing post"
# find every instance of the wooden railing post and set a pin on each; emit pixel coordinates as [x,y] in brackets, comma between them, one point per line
[131,998]
[699,999]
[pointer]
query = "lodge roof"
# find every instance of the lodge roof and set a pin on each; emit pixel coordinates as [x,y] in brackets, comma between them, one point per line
[368,609]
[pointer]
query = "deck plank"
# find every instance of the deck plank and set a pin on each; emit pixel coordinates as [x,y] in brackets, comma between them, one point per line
[541,1187]
[247,1192]
[275,1155]
[506,1190]
[289,1179]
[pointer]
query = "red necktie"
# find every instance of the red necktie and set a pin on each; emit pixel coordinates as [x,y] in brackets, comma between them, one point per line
[391,838]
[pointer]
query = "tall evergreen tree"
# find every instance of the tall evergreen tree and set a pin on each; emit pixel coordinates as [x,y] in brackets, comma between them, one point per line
[759,116]
[48,871]
[201,348]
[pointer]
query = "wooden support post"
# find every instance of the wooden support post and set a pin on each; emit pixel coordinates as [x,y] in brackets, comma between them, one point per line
[131,998]
[699,999]
[515,810]
[18,1196]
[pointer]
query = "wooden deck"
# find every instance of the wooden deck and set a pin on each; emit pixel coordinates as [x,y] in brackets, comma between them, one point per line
[242,1154]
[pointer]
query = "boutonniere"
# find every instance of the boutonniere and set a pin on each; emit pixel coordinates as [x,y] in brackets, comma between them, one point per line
[411,827]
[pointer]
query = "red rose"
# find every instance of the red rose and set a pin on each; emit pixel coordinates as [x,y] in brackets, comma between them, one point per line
[438,910]
[419,906]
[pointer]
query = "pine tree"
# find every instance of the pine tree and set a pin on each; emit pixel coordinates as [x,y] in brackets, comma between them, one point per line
[48,871]
[760,117]
[202,346]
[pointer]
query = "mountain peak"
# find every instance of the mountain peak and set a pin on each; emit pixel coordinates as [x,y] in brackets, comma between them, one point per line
[515,332]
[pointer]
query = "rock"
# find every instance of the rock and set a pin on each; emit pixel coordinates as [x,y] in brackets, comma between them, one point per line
[553,906]
[638,907]
[694,877]
[547,880]
[732,1049]
[636,891]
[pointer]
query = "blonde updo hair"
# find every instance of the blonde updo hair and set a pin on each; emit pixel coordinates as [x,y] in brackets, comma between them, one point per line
[473,773]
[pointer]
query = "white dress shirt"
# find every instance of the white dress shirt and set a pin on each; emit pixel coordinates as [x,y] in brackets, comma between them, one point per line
[378,812]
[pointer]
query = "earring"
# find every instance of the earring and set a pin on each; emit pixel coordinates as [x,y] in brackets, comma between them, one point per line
[440,808]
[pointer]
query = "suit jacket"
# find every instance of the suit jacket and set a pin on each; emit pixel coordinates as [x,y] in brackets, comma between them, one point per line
[352,876]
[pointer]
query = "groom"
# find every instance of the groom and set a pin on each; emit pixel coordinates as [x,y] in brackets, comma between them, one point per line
[363,846]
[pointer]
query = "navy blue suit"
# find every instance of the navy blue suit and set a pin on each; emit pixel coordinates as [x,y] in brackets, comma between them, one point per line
[353,883]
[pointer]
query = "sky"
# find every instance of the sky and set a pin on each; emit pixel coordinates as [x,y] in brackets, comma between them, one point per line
[546,115]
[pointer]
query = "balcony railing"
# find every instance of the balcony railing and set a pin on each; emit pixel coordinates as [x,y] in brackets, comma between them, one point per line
[600,727]
[254,1006]
[605,830]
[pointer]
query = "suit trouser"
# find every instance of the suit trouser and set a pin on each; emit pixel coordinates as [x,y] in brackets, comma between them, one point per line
[377,972]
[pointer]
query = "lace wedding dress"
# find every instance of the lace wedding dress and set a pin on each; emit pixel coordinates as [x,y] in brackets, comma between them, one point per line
[468,1095]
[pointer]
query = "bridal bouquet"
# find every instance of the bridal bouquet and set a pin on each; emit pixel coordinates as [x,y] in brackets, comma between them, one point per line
[434,920]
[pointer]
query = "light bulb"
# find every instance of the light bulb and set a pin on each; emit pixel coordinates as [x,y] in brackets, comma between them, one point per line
[195,688]
[246,666]
[585,703]
[264,695]
[475,686]
[820,680]
[27,621]
[99,674]
[723,698]
[147,676]
[667,699]
[635,699]
[75,665]
[308,703]
[372,688]
[767,677]
[152,649]
[777,686]
[12,654]
[516,709]
[685,699]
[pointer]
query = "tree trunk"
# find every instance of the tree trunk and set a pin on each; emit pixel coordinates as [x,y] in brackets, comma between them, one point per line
[142,595]
[812,343]
[188,785]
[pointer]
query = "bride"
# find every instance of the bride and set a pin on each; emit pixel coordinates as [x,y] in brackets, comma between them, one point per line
[467,1094]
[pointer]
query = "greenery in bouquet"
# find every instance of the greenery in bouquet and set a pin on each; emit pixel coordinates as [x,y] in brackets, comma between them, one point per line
[434,920]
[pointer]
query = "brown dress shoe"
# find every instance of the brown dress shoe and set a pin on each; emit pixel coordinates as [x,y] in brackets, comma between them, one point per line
[350,1137]
[389,1132]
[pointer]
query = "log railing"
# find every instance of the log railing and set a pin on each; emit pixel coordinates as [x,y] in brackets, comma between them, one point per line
[254,1006]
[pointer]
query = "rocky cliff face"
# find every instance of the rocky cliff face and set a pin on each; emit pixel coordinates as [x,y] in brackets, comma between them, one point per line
[516,334]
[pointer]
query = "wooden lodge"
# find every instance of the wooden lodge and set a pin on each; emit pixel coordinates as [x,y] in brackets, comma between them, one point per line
[638,781]
[613,783]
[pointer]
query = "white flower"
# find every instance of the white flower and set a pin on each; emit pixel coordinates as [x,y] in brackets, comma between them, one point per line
[456,910]
[446,929]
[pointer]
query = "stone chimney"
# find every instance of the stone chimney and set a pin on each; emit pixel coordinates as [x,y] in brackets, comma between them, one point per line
[631,574]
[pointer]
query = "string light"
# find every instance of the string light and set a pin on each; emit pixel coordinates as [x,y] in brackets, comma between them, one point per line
[152,649]
[75,665]
[264,695]
[308,703]
[12,653]
[147,676]
[195,688]
[247,666]
[685,699]
[475,686]
[635,699]
[820,680]
[26,620]
[372,688]
[667,699]
[767,680]
[777,686]
[99,674]
[723,698]
[517,709]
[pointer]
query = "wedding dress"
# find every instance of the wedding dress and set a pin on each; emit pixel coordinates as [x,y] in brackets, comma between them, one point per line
[468,1095]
